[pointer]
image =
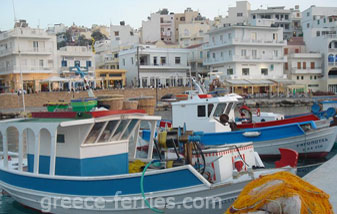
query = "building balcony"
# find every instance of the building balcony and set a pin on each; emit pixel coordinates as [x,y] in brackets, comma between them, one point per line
[163,66]
[225,43]
[295,70]
[333,50]
[16,69]
[37,51]
[248,59]
[25,33]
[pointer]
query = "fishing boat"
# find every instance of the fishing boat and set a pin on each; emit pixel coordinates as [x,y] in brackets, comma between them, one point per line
[80,162]
[215,116]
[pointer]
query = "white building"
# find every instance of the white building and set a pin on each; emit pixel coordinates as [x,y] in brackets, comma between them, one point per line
[251,53]
[193,34]
[160,26]
[288,19]
[157,67]
[238,15]
[70,56]
[196,57]
[57,28]
[303,67]
[123,36]
[27,50]
[320,35]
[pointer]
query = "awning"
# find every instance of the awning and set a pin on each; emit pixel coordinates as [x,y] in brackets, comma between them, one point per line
[284,81]
[238,82]
[296,86]
[260,82]
[55,79]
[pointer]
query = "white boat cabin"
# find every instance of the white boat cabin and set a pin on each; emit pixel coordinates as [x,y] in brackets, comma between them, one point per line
[202,112]
[96,146]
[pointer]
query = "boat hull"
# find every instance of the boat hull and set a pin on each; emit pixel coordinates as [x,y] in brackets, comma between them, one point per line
[316,143]
[194,199]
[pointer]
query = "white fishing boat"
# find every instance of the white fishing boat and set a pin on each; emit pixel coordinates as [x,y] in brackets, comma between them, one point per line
[215,116]
[79,163]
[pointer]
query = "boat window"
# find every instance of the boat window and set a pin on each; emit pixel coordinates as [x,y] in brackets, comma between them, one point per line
[220,108]
[143,143]
[60,138]
[95,131]
[306,127]
[120,129]
[129,129]
[201,111]
[210,108]
[110,127]
[230,105]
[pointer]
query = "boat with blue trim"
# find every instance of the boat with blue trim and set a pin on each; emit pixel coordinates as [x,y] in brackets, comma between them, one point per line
[215,116]
[80,162]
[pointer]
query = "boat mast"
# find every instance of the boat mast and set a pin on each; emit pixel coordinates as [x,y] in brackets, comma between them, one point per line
[21,78]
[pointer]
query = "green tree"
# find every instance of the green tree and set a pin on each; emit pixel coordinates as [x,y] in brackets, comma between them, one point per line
[97,35]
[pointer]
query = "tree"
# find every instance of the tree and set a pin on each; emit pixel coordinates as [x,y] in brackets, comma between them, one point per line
[97,35]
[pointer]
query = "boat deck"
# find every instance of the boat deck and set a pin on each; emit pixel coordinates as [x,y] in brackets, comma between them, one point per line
[324,177]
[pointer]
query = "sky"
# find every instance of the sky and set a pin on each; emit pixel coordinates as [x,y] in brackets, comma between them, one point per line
[44,13]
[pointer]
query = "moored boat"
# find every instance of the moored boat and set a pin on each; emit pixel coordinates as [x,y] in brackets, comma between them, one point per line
[79,163]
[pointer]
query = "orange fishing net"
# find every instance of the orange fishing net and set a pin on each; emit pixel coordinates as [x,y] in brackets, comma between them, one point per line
[280,186]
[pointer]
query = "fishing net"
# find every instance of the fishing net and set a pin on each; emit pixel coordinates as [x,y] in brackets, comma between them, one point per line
[281,192]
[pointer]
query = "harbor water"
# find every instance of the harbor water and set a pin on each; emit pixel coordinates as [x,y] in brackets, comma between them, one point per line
[8,205]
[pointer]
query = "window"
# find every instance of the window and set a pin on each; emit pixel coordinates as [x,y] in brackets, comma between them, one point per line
[64,63]
[229,36]
[308,25]
[318,33]
[308,13]
[123,62]
[310,77]
[201,55]
[221,38]
[88,64]
[155,60]
[286,17]
[324,20]
[312,65]
[213,55]
[201,111]
[229,52]
[286,26]
[35,45]
[119,131]
[60,138]
[221,54]
[286,51]
[318,22]
[302,77]
[77,63]
[162,60]
[182,19]
[286,66]
[94,132]
[132,60]
[131,33]
[239,14]
[229,107]
[298,65]
[41,62]
[230,71]
[276,53]
[177,60]
[116,33]
[108,130]
[243,52]
[315,77]
[129,129]
[220,108]
[245,71]
[254,53]
[330,19]
[264,71]
[298,77]
[297,50]
[304,65]
[209,109]
[272,67]
[274,36]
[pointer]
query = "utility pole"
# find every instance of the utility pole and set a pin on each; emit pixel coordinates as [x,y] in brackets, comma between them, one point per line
[138,66]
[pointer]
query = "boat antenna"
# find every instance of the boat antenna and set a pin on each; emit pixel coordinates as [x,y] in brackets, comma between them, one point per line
[21,78]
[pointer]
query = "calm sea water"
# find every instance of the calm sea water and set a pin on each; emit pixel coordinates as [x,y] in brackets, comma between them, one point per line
[8,205]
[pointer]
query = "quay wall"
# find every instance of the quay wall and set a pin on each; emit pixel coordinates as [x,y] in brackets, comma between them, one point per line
[8,101]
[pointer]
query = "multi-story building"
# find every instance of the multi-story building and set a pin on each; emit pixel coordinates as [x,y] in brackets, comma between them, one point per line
[252,53]
[304,68]
[288,19]
[189,16]
[160,26]
[196,57]
[123,36]
[70,56]
[29,51]
[193,34]
[237,15]
[158,67]
[320,35]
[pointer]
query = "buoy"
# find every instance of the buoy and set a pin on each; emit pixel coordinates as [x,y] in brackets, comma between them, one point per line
[238,164]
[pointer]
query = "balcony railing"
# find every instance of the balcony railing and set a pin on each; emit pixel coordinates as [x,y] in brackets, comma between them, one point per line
[332,49]
[332,63]
[23,68]
[241,41]
[315,70]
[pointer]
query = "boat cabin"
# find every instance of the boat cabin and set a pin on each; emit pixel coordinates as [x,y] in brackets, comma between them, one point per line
[60,144]
[202,113]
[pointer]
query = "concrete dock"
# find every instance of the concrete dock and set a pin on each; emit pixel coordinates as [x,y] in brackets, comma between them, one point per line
[324,177]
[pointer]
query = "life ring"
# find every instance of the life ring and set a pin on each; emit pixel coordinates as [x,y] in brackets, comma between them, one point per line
[258,112]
